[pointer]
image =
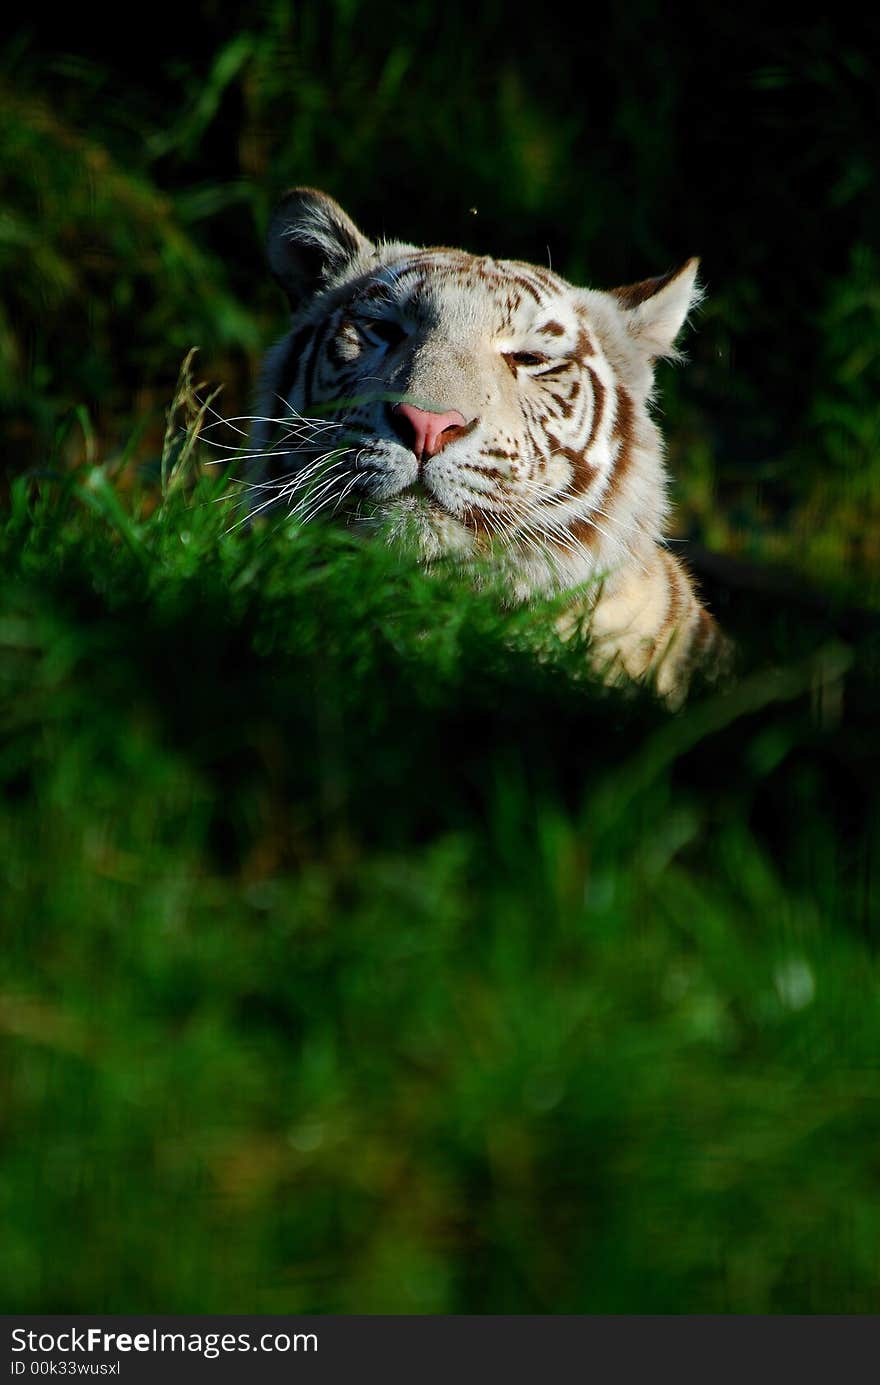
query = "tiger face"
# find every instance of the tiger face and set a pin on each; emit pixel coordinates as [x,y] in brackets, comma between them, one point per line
[474,404]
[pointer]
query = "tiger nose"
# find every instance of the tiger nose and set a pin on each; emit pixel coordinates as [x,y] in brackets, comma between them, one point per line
[425,432]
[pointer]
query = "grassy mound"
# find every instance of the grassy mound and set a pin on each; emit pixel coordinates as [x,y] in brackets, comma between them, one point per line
[356,959]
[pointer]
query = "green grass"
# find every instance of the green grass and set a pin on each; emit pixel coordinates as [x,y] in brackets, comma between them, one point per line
[356,959]
[354,956]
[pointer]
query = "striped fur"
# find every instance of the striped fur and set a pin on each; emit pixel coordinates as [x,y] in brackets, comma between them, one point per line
[558,472]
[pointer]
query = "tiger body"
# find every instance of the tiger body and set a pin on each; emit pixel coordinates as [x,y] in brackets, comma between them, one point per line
[488,407]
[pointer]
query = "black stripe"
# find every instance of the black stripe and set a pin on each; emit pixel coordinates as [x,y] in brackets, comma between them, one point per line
[292,357]
[311,365]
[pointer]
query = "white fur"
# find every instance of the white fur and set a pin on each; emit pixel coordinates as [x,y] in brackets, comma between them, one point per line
[559,476]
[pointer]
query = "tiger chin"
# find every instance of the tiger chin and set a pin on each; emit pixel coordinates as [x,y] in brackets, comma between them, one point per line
[487,408]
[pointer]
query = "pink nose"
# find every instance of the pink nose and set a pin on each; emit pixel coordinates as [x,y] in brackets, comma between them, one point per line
[425,432]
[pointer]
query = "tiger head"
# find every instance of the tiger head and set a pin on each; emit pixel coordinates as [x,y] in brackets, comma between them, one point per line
[477,404]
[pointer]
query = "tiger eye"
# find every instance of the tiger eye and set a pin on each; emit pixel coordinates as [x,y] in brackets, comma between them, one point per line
[560,475]
[527,358]
[391,333]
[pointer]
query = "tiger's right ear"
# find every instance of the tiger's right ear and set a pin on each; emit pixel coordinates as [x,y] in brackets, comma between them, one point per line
[311,240]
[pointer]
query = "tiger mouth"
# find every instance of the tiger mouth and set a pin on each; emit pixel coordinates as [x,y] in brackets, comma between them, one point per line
[415,500]
[418,501]
[416,490]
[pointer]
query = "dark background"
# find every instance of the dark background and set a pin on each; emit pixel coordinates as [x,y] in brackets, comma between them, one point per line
[617,143]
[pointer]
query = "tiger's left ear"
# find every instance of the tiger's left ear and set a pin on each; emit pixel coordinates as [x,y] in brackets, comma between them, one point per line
[655,309]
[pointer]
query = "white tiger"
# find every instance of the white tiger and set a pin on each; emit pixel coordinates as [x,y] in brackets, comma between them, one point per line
[488,406]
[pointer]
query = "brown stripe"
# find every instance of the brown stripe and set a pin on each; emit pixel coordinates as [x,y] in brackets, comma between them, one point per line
[631,295]
[552,370]
[545,277]
[674,602]
[563,405]
[473,519]
[438,253]
[583,347]
[584,531]
[523,283]
[599,395]
[582,473]
[624,433]
[491,472]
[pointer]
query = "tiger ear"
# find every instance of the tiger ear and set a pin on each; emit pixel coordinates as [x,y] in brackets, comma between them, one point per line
[655,309]
[310,242]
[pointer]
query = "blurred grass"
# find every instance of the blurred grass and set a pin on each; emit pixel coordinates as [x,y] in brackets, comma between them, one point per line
[354,958]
